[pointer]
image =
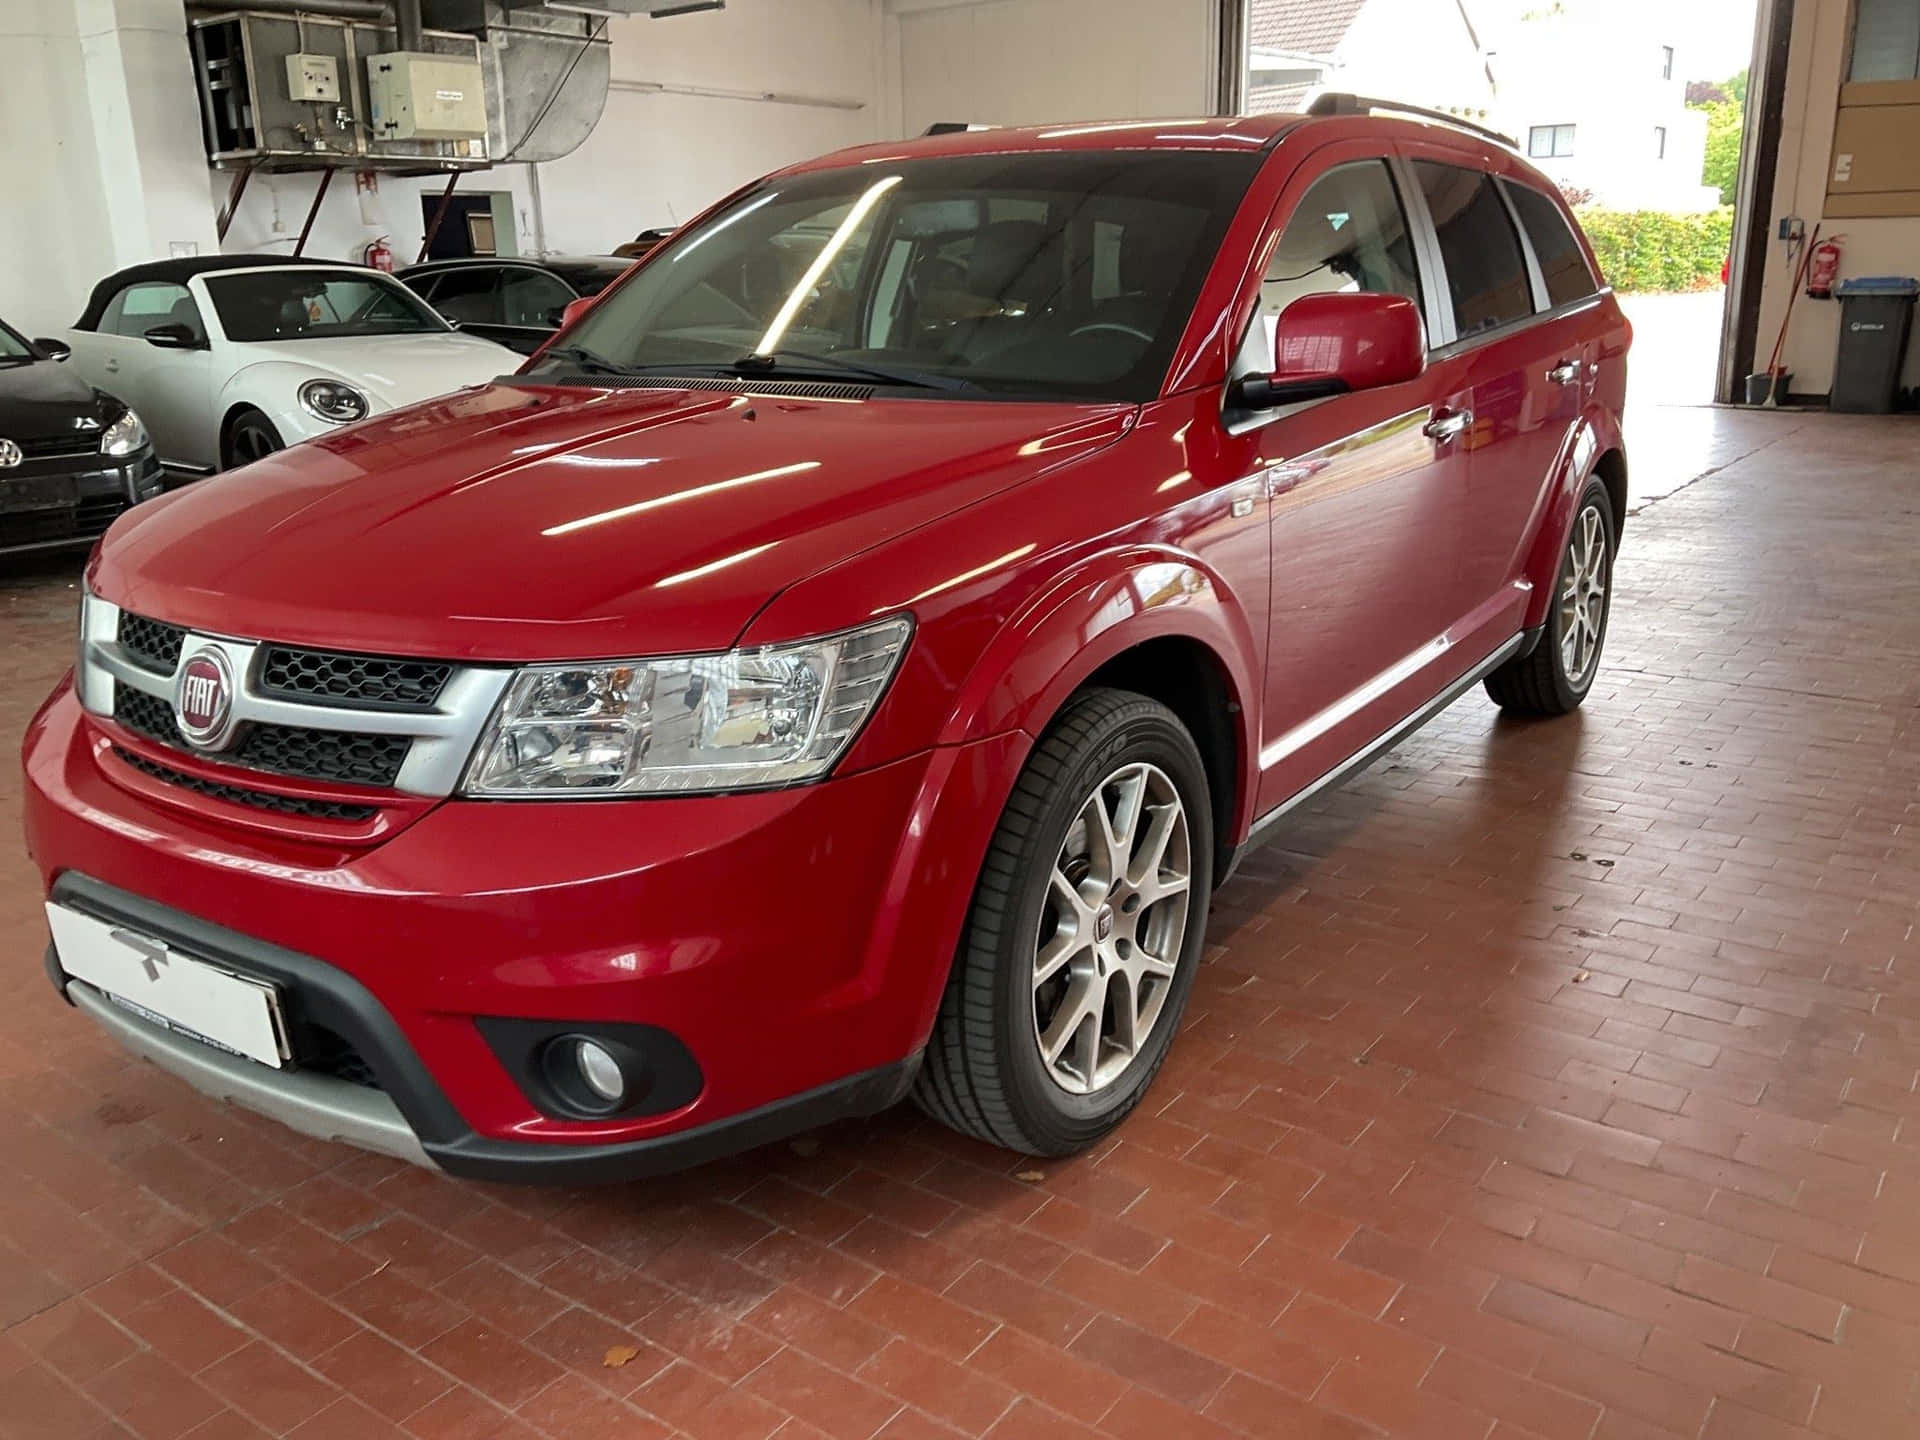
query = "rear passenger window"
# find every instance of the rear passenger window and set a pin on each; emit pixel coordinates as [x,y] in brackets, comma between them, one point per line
[1486,273]
[1561,260]
[1348,233]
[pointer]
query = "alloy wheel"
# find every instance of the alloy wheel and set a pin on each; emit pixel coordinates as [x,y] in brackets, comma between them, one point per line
[1112,928]
[253,442]
[1583,597]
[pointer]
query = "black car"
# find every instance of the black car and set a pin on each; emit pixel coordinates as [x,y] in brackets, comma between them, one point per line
[72,458]
[514,302]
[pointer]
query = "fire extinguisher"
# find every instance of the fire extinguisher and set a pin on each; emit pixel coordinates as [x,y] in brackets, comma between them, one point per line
[1824,269]
[380,255]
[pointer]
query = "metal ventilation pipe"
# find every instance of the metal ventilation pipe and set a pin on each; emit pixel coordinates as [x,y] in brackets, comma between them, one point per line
[378,11]
[407,25]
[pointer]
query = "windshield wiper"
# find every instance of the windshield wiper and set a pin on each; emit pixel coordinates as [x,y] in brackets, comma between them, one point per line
[586,360]
[776,362]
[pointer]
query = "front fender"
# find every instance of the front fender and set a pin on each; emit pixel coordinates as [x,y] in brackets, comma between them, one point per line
[273,388]
[1105,605]
[1596,434]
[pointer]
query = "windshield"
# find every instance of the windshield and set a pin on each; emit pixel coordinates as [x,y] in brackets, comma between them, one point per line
[256,305]
[12,347]
[1038,274]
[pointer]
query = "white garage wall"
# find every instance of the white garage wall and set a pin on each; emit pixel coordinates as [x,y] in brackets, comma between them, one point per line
[1028,62]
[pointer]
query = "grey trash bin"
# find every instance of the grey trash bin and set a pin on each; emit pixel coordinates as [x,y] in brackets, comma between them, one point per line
[1876,314]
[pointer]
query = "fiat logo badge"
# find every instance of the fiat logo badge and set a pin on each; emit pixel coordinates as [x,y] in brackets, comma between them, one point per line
[203,699]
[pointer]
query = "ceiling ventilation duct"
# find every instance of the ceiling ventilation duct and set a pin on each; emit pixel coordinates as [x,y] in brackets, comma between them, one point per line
[293,84]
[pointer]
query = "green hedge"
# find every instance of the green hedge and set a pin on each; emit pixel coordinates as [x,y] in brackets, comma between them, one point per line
[1652,250]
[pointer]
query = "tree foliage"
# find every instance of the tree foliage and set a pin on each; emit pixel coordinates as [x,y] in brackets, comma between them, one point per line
[1651,250]
[1725,125]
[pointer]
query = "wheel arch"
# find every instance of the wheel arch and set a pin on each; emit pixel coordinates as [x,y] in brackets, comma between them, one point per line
[1595,450]
[1155,621]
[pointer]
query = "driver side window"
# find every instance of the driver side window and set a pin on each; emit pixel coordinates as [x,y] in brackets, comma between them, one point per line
[139,308]
[1348,233]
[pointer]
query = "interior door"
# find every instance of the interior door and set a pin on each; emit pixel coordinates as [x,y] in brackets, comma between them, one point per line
[1525,374]
[1364,492]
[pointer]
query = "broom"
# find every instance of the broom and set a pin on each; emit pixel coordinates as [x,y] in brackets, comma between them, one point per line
[1799,278]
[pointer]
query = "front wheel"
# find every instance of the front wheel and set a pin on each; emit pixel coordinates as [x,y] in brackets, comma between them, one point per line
[1084,935]
[1555,678]
[250,437]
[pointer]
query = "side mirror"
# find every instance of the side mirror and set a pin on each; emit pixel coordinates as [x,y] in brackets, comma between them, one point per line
[173,336]
[1333,344]
[575,309]
[51,349]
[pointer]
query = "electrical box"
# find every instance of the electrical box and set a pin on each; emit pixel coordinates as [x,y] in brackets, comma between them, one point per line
[313,77]
[416,96]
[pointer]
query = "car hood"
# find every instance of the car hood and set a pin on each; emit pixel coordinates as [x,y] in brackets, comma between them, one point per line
[394,370]
[45,400]
[521,523]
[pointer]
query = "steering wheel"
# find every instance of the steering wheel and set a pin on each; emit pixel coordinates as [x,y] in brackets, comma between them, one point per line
[1114,325]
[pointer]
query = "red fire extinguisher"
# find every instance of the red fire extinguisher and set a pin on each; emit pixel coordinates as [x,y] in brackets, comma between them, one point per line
[380,255]
[1824,268]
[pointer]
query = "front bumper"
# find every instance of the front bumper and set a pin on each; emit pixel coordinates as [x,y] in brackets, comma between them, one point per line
[60,503]
[795,942]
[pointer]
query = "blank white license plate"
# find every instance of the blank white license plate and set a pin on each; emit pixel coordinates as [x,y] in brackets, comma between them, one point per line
[156,981]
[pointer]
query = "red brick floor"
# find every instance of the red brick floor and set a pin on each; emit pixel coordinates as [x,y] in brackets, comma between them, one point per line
[1551,1080]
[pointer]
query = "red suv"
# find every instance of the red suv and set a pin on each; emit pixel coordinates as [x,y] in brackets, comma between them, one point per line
[843,665]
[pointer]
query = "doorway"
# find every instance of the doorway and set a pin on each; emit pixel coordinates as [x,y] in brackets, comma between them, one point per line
[478,224]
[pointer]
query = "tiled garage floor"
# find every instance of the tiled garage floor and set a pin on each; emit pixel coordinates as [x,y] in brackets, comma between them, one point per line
[1552,1080]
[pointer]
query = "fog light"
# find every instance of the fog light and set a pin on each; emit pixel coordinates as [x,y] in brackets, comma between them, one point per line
[599,1071]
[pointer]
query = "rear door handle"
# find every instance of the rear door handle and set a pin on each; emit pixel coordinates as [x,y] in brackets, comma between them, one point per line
[1565,373]
[1450,423]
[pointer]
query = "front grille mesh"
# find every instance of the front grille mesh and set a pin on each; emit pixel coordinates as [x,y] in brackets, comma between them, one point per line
[150,644]
[324,754]
[320,675]
[60,447]
[336,755]
[255,799]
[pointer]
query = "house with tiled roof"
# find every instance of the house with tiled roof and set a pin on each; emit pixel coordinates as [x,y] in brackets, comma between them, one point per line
[1419,52]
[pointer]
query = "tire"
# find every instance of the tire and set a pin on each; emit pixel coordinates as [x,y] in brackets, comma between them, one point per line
[985,1073]
[1559,672]
[250,436]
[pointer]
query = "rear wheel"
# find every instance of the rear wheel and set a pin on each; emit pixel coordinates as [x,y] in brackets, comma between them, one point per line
[1085,931]
[1555,678]
[250,436]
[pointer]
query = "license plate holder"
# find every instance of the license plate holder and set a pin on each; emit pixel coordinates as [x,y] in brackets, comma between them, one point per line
[167,986]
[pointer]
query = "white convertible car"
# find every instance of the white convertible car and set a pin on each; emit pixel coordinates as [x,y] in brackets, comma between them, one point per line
[230,357]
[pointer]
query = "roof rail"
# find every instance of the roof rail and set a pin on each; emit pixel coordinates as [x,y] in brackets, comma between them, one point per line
[953,127]
[1334,103]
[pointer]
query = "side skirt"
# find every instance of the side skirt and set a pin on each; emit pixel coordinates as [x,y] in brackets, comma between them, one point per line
[1266,826]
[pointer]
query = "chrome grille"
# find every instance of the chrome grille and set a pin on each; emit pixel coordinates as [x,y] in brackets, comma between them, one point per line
[335,755]
[366,721]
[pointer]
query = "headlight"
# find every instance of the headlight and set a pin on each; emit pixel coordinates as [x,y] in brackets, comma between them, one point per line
[333,401]
[125,436]
[745,720]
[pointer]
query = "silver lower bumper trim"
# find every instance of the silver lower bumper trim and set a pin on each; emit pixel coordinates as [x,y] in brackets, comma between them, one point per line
[316,1105]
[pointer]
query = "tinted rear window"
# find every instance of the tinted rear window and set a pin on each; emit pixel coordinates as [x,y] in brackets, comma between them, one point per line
[1486,273]
[1561,260]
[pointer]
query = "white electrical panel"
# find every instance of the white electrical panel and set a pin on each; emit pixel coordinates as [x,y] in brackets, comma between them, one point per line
[416,96]
[313,77]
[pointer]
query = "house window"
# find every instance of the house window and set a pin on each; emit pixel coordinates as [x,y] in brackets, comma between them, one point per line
[1666,62]
[1886,41]
[1659,142]
[1550,142]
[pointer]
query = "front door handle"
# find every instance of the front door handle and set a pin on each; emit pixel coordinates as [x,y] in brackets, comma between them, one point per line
[1448,424]
[113,366]
[1565,373]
